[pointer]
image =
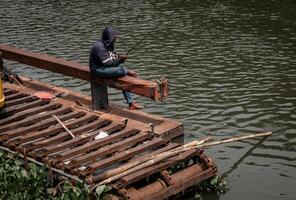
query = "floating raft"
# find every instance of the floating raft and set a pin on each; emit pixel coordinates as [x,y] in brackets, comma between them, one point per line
[28,127]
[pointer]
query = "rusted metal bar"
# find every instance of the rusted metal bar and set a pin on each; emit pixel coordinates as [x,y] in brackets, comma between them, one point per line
[11,110]
[8,92]
[179,182]
[155,151]
[111,197]
[94,145]
[136,176]
[15,96]
[184,179]
[125,155]
[27,113]
[134,194]
[54,130]
[150,89]
[64,136]
[102,176]
[81,137]
[57,109]
[38,126]
[80,128]
[108,150]
[15,102]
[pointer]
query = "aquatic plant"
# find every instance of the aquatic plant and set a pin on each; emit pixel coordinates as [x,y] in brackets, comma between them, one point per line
[18,183]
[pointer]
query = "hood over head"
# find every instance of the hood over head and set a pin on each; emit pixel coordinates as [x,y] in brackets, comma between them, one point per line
[108,36]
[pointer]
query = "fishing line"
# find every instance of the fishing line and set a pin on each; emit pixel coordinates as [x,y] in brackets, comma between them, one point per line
[149,33]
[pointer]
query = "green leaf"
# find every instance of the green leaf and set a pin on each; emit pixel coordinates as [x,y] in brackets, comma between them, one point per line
[102,189]
[18,162]
[215,181]
[67,186]
[2,153]
[24,173]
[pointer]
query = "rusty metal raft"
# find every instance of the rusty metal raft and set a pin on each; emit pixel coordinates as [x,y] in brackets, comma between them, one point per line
[28,126]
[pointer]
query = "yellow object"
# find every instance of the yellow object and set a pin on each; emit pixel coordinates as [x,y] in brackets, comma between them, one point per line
[1,93]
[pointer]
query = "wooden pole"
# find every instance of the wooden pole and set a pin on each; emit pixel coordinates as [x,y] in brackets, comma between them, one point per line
[63,125]
[234,139]
[138,165]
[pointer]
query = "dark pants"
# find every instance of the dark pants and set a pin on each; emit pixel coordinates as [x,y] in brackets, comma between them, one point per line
[111,72]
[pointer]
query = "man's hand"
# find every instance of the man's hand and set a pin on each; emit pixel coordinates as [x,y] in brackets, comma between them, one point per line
[122,57]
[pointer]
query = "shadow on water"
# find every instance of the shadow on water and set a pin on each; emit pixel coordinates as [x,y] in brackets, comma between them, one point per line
[231,67]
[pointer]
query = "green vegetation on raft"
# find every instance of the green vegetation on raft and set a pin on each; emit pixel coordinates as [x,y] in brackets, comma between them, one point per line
[18,183]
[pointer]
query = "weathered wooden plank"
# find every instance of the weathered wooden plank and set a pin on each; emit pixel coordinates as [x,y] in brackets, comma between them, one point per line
[149,89]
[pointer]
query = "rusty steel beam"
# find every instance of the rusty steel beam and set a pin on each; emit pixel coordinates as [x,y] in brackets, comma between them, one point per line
[185,179]
[167,147]
[11,110]
[27,113]
[94,145]
[81,136]
[176,183]
[44,138]
[101,176]
[50,143]
[108,150]
[8,92]
[157,90]
[38,126]
[15,102]
[124,155]
[15,96]
[53,108]
[136,176]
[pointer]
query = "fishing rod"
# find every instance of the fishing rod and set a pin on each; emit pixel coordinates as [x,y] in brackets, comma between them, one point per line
[149,33]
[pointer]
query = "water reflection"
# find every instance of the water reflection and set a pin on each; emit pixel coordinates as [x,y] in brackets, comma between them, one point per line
[231,67]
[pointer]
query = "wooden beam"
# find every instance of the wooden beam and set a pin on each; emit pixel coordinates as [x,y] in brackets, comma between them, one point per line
[156,90]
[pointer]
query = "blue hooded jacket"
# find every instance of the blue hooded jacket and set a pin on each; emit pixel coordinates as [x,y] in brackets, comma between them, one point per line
[102,53]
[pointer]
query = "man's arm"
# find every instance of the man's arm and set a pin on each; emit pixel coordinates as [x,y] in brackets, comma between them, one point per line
[108,59]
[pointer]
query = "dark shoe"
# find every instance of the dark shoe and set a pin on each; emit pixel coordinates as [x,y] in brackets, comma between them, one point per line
[135,106]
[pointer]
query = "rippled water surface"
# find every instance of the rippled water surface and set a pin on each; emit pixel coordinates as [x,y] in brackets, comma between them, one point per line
[231,66]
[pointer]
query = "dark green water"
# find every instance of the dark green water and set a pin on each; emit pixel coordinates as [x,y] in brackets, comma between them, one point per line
[231,66]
